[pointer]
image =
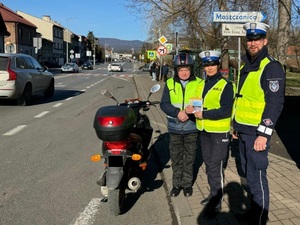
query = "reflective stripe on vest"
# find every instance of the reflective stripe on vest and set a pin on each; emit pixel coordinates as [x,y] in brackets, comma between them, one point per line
[250,106]
[212,101]
[176,94]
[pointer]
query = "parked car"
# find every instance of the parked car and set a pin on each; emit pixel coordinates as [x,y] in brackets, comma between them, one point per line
[115,67]
[87,66]
[21,77]
[70,67]
[145,67]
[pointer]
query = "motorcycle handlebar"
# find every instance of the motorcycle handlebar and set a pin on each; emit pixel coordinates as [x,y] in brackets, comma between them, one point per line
[139,104]
[154,102]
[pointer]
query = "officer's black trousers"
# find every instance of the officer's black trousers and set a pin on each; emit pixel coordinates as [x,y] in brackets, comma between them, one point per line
[254,165]
[182,153]
[214,150]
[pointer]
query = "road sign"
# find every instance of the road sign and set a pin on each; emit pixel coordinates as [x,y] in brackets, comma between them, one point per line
[233,29]
[162,40]
[162,50]
[238,17]
[169,47]
[151,54]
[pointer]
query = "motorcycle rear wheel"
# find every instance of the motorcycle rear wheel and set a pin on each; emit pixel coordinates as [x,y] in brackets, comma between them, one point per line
[115,200]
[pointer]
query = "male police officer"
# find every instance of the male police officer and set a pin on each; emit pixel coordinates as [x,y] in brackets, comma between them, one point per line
[258,104]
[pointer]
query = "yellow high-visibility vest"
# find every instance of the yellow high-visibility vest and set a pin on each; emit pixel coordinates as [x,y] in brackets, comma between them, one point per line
[212,101]
[177,97]
[248,108]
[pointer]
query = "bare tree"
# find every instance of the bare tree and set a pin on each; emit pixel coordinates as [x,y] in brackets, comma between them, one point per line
[192,20]
[284,23]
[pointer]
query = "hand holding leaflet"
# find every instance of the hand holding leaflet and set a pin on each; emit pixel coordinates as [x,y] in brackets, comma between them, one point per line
[197,103]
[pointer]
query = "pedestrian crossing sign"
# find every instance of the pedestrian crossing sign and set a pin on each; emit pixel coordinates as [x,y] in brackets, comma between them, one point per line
[151,55]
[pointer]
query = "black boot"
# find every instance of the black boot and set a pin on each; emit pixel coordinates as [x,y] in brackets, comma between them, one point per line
[175,191]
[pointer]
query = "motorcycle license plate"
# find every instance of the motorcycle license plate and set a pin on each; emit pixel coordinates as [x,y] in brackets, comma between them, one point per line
[115,161]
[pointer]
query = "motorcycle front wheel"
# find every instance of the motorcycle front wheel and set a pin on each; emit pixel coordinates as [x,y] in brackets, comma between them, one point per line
[115,200]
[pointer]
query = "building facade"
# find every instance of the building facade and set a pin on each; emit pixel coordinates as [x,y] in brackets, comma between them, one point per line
[21,32]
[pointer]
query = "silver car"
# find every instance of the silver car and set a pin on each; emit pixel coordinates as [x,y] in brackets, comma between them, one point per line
[70,67]
[22,76]
[115,67]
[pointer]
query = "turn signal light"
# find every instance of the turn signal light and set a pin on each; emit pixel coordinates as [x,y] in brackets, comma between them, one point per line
[136,157]
[96,158]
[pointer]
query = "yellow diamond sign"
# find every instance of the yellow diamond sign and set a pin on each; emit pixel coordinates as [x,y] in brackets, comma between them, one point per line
[162,40]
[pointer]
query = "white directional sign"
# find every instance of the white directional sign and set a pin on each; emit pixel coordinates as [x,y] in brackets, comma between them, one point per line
[233,29]
[238,17]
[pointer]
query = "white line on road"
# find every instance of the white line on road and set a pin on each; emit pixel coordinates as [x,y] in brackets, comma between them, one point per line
[87,216]
[15,130]
[41,114]
[67,99]
[57,105]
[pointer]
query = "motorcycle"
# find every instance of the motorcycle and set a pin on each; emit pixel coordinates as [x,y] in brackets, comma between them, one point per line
[126,132]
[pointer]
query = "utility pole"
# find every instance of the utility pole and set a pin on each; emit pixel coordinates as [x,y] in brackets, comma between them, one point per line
[67,39]
[94,56]
[176,42]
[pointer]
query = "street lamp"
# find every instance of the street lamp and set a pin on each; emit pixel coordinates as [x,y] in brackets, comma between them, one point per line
[67,39]
[94,56]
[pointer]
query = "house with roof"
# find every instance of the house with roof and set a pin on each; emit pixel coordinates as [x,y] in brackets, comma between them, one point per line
[66,45]
[52,38]
[3,33]
[21,32]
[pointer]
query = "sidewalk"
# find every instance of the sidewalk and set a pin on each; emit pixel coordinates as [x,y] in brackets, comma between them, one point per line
[283,175]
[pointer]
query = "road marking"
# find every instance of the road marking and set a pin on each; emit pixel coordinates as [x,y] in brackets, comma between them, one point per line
[87,216]
[57,105]
[15,130]
[41,114]
[60,85]
[67,99]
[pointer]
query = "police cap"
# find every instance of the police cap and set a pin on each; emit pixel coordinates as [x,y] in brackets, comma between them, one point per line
[255,31]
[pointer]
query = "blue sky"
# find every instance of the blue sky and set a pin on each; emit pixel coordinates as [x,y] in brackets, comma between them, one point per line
[106,18]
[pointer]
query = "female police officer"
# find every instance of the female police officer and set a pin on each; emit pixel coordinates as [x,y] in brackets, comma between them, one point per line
[214,125]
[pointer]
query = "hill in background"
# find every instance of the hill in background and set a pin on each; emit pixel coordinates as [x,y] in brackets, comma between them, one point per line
[122,46]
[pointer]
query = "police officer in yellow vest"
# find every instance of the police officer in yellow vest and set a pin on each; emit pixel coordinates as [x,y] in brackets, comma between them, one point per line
[181,126]
[258,104]
[213,122]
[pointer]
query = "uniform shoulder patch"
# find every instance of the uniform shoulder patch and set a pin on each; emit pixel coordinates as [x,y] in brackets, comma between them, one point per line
[268,122]
[274,85]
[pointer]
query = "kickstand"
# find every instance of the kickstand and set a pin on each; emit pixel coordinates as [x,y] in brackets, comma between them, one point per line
[104,199]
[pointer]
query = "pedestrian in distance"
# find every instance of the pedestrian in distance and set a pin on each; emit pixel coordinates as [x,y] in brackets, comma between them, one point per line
[157,70]
[153,71]
[258,104]
[165,71]
[150,65]
[213,119]
[182,127]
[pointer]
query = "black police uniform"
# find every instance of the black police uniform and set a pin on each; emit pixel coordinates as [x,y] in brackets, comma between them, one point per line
[254,164]
[215,145]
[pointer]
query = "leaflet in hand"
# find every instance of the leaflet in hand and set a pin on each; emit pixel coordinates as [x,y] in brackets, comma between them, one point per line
[197,103]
